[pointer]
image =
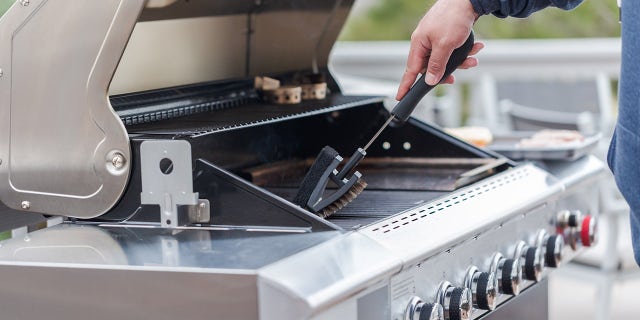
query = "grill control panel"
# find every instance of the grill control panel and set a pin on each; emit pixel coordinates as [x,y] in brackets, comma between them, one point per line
[474,277]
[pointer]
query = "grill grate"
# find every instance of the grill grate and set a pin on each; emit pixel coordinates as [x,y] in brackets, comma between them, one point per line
[372,205]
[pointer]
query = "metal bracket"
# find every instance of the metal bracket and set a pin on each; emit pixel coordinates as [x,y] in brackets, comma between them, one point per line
[166,172]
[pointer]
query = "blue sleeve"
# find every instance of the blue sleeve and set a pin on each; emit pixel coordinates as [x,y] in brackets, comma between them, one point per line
[519,8]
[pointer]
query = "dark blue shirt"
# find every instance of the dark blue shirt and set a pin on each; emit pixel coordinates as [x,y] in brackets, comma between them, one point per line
[519,8]
[624,152]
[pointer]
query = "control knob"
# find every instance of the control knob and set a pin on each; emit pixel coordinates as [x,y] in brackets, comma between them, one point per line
[588,230]
[456,301]
[420,310]
[571,237]
[484,288]
[533,264]
[554,245]
[531,260]
[509,274]
[567,218]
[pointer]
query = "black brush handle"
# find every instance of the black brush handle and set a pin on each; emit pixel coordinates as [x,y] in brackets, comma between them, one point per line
[408,103]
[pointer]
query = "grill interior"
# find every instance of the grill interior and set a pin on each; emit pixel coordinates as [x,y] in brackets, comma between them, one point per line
[255,144]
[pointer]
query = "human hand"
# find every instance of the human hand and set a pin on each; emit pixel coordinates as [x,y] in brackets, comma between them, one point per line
[444,27]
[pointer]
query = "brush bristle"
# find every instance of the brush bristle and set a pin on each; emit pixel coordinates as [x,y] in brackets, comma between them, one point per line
[346,198]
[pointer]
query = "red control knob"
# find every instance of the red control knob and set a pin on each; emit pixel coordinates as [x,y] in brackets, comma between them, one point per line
[588,231]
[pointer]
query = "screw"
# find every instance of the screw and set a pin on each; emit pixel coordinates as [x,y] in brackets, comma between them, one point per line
[118,160]
[24,2]
[25,205]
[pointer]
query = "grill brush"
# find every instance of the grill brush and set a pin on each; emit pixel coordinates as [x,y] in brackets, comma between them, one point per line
[313,193]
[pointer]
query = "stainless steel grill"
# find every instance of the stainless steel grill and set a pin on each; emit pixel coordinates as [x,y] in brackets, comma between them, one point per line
[176,190]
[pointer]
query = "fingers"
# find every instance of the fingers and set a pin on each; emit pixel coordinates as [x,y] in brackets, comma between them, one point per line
[449,80]
[443,28]
[415,65]
[476,48]
[469,63]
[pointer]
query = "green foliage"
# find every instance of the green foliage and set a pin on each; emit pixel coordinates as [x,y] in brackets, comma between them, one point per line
[4,6]
[396,19]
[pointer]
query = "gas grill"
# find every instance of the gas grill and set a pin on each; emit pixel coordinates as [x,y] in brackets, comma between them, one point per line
[167,192]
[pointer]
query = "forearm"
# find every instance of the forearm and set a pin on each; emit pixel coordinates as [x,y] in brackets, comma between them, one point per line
[519,8]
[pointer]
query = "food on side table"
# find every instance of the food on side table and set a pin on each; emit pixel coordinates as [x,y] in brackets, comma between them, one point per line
[478,136]
[551,138]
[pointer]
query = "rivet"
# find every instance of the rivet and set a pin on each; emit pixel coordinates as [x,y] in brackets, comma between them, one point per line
[118,160]
[25,205]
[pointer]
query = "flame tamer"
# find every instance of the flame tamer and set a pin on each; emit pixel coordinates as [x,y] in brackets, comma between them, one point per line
[313,194]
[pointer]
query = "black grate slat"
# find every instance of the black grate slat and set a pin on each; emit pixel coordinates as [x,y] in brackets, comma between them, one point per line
[372,205]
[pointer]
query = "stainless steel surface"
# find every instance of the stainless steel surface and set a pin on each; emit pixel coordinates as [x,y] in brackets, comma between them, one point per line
[509,145]
[273,267]
[448,221]
[213,51]
[532,304]
[200,213]
[272,31]
[167,178]
[55,106]
[582,171]
[451,262]
[233,39]
[323,276]
[139,247]
[126,293]
[326,275]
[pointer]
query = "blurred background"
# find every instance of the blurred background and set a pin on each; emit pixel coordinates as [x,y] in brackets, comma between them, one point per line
[396,19]
[555,69]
